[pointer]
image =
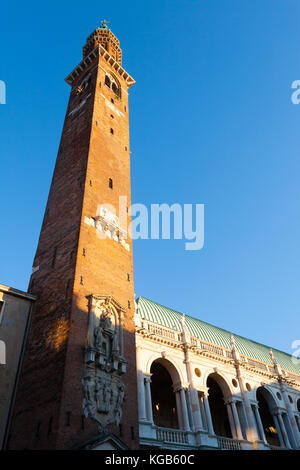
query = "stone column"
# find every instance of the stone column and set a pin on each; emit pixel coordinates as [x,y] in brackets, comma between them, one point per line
[294,434]
[202,411]
[250,428]
[282,444]
[141,388]
[149,399]
[184,410]
[195,408]
[291,417]
[231,420]
[179,409]
[190,409]
[207,414]
[237,422]
[251,431]
[298,422]
[283,430]
[259,423]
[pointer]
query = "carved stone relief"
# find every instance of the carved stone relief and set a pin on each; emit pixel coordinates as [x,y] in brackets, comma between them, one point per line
[102,387]
[108,225]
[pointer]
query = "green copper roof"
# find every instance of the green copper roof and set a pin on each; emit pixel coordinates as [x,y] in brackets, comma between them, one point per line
[169,318]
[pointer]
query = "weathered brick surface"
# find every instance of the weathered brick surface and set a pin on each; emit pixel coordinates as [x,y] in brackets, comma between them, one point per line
[48,412]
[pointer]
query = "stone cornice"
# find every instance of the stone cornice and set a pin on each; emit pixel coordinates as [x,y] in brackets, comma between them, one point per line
[85,63]
[93,298]
[17,293]
[210,351]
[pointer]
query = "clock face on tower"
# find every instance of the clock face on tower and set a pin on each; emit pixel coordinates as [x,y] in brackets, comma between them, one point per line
[83,85]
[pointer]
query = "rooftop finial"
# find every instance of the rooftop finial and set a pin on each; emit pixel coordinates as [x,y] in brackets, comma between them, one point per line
[185,332]
[104,24]
[232,341]
[182,321]
[272,356]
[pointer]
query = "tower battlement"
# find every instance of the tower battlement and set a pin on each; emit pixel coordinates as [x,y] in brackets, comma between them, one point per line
[104,36]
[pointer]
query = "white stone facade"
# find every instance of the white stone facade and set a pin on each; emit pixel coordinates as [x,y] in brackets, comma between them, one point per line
[190,362]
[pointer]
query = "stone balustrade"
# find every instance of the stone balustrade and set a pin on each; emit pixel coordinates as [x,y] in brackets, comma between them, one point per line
[175,436]
[225,443]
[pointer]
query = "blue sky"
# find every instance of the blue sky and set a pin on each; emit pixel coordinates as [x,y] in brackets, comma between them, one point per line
[212,122]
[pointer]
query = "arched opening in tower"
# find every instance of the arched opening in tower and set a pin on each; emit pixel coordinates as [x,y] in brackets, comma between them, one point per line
[218,409]
[163,397]
[266,405]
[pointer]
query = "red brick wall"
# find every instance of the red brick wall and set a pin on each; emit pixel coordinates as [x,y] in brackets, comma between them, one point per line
[50,389]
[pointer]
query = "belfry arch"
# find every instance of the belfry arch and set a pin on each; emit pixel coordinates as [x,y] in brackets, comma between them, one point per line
[164,377]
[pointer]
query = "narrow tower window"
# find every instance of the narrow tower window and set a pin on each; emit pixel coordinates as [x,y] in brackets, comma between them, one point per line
[68,288]
[110,183]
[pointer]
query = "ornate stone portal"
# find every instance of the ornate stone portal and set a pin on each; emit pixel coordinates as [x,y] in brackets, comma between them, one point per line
[102,387]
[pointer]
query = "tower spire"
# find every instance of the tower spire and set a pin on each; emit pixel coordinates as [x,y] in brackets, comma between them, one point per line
[105,37]
[104,24]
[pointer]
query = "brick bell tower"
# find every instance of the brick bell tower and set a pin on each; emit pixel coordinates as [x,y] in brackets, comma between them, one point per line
[78,381]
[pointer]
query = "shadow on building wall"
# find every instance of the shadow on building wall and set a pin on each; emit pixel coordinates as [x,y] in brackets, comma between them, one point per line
[51,409]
